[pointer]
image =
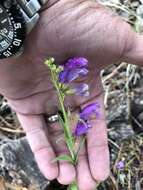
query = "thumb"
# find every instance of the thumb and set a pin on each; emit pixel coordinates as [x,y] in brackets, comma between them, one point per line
[134,49]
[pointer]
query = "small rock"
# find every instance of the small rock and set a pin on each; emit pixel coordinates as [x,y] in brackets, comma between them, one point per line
[141,1]
[120,130]
[18,165]
[134,4]
[139,11]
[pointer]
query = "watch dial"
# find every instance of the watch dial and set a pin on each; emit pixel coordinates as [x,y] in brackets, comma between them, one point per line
[12,28]
[6,30]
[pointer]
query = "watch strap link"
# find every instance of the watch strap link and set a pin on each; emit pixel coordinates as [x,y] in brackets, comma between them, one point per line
[29,9]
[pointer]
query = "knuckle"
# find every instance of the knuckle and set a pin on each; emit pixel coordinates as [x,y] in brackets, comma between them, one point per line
[33,131]
[42,150]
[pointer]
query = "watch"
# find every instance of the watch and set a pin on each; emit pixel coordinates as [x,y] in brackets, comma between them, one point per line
[17,19]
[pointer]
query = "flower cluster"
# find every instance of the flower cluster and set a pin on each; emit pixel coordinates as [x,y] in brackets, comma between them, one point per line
[62,78]
[73,69]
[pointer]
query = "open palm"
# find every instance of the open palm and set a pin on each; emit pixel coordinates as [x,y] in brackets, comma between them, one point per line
[66,29]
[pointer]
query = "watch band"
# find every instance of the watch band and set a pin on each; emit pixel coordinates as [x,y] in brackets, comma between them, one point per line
[43,1]
[29,9]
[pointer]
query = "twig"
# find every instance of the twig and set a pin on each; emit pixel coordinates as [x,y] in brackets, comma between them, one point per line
[129,180]
[114,181]
[106,97]
[5,122]
[115,71]
[113,143]
[128,92]
[118,157]
[12,130]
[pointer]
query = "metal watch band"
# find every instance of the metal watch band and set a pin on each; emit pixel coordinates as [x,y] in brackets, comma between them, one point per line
[43,1]
[29,9]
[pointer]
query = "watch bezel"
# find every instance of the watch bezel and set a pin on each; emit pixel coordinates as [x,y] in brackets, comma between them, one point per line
[19,29]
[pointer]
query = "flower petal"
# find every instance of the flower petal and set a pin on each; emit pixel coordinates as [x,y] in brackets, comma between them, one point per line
[81,129]
[74,74]
[63,76]
[76,62]
[120,165]
[82,90]
[68,76]
[90,110]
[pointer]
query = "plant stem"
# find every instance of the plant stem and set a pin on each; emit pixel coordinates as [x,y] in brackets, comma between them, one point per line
[67,132]
[73,186]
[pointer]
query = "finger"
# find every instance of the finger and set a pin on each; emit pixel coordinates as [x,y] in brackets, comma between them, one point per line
[67,173]
[35,128]
[133,52]
[97,146]
[84,177]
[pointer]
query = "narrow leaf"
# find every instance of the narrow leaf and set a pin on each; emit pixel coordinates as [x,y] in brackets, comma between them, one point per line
[63,158]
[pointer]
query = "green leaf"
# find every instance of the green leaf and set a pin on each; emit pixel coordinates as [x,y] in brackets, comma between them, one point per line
[64,158]
[82,141]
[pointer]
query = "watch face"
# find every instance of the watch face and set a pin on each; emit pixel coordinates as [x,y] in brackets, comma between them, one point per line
[12,28]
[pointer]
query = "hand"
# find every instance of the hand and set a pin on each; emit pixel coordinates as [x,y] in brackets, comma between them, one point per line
[67,29]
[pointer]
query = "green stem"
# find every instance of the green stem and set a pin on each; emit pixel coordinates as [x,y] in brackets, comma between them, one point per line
[67,130]
[73,186]
[68,134]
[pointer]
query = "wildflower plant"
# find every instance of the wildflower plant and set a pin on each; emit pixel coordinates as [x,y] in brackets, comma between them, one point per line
[120,165]
[62,77]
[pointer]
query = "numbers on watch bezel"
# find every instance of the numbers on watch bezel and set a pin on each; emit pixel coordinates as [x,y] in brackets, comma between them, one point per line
[17,32]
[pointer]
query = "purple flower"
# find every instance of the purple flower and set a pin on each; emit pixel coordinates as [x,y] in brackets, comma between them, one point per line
[63,76]
[81,128]
[73,69]
[120,165]
[89,111]
[84,124]
[68,76]
[76,62]
[82,90]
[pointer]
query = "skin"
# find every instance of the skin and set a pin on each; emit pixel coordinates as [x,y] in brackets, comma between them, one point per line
[67,28]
